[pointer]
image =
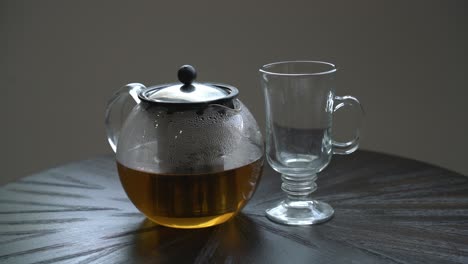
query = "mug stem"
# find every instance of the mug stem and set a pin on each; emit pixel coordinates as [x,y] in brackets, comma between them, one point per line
[299,208]
[298,187]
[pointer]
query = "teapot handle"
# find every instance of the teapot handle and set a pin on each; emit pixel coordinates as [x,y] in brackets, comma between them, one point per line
[115,111]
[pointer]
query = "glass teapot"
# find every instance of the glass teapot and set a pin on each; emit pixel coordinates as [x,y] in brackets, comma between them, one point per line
[189,155]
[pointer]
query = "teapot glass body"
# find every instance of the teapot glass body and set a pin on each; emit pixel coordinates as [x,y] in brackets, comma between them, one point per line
[185,165]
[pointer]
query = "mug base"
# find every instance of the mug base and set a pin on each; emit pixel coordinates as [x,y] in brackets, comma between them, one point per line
[308,212]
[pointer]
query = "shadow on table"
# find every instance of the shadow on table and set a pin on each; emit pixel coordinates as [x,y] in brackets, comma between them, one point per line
[226,242]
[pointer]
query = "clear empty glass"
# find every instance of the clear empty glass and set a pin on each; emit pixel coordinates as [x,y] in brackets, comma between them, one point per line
[300,100]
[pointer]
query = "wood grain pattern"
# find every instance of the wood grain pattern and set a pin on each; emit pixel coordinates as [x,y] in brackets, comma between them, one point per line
[387,210]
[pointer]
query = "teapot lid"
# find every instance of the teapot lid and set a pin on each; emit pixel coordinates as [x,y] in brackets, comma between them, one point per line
[189,92]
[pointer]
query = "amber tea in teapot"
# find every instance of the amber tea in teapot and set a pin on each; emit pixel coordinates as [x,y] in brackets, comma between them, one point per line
[191,200]
[189,155]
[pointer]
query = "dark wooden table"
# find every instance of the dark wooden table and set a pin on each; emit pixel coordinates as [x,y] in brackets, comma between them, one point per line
[387,210]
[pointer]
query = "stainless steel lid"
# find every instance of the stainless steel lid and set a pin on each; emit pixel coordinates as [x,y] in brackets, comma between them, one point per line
[188,92]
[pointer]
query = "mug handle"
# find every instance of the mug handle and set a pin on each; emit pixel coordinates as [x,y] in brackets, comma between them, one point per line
[343,148]
[115,114]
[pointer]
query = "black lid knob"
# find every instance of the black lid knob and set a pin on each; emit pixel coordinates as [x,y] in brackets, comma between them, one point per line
[187,74]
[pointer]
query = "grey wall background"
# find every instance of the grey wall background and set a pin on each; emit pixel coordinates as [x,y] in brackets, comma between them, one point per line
[60,61]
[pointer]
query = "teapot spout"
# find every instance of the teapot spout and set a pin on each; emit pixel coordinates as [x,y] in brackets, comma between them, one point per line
[233,106]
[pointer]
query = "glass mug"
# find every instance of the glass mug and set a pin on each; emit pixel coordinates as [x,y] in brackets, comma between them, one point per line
[300,101]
